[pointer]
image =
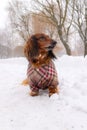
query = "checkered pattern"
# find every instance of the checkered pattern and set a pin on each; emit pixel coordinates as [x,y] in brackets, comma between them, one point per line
[42,77]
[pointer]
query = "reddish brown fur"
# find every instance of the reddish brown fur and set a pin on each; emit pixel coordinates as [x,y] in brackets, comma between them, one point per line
[36,52]
[42,44]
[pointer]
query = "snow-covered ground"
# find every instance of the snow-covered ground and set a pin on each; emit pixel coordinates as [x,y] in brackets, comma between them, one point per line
[66,111]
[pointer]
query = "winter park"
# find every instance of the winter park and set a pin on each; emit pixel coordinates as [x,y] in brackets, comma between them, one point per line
[63,21]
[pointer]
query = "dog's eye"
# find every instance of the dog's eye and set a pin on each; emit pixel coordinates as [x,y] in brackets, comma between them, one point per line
[42,38]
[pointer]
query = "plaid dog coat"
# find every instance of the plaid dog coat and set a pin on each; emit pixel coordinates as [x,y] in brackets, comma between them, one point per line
[42,77]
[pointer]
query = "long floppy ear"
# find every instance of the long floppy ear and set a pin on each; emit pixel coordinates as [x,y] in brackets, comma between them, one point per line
[33,47]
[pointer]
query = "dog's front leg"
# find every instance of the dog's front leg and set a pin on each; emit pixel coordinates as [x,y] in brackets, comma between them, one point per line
[34,90]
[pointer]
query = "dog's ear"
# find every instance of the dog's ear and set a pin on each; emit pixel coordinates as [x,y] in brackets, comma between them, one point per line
[34,47]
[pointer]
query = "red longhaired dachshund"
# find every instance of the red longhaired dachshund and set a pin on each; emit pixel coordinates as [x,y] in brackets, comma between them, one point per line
[41,72]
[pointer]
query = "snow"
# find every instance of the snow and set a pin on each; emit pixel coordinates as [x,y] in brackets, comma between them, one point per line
[66,111]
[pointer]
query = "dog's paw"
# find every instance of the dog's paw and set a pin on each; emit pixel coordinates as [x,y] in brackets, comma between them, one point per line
[54,96]
[34,93]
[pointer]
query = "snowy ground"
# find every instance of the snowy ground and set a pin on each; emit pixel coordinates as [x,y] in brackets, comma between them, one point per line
[66,111]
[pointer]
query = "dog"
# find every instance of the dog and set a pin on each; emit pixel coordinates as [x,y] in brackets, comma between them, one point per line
[41,72]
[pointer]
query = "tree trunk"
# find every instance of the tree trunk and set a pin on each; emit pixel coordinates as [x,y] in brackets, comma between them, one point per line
[64,42]
[85,42]
[68,50]
[85,48]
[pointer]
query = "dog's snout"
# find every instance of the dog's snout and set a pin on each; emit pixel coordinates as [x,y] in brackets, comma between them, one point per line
[54,42]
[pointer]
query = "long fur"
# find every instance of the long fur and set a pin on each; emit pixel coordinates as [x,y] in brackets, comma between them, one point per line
[34,51]
[39,50]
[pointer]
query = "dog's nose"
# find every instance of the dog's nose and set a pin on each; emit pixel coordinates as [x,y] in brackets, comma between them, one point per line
[54,42]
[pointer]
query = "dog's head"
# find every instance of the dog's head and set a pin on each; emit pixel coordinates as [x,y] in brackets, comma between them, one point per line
[39,47]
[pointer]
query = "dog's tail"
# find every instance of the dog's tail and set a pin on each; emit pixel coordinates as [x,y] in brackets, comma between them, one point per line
[25,82]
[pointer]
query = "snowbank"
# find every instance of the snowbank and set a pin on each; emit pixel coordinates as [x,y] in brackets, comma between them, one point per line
[66,111]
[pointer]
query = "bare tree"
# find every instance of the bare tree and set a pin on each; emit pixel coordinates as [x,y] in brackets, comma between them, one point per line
[80,21]
[5,36]
[41,24]
[23,22]
[19,18]
[60,14]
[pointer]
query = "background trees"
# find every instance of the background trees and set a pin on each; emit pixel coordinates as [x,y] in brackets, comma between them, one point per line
[55,16]
[19,16]
[63,20]
[60,14]
[5,43]
[80,21]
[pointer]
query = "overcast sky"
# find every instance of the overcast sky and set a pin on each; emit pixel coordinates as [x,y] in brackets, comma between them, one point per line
[3,13]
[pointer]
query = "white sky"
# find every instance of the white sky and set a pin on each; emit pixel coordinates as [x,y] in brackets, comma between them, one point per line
[3,13]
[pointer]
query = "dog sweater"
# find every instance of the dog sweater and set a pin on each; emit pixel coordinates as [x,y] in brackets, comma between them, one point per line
[42,77]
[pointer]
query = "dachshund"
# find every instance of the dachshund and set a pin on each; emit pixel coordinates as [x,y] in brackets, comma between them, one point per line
[41,72]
